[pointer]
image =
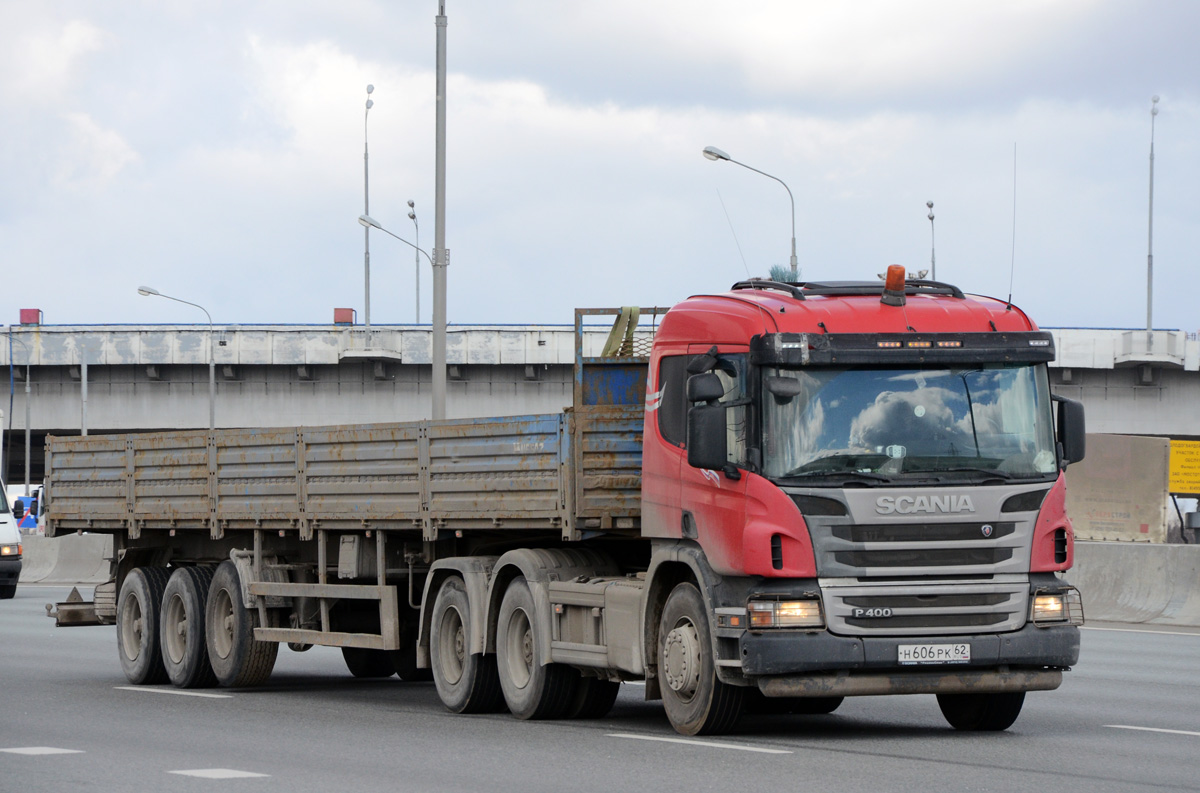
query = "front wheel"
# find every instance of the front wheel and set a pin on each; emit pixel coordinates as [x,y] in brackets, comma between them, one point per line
[981,712]
[696,702]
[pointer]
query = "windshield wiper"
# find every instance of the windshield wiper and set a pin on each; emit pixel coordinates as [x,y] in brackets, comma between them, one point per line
[843,477]
[988,473]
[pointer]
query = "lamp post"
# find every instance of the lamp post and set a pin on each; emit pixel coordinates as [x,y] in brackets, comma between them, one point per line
[146,291]
[367,231]
[441,256]
[1150,232]
[932,243]
[412,215]
[713,153]
[370,222]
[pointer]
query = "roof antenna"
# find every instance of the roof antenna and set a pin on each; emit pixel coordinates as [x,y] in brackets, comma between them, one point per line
[1012,267]
[734,233]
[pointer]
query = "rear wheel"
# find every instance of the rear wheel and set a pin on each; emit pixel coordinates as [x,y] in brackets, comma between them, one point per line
[184,650]
[238,659]
[696,702]
[404,660]
[981,712]
[138,619]
[8,591]
[533,690]
[363,662]
[592,698]
[466,682]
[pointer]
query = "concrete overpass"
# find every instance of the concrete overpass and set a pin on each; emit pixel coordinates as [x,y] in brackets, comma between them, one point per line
[155,377]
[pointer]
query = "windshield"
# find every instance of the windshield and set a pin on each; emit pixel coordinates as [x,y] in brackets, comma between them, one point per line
[898,423]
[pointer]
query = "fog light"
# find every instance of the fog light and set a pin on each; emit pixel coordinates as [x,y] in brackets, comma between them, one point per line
[785,614]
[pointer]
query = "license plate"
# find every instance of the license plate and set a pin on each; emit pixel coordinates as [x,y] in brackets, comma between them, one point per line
[935,653]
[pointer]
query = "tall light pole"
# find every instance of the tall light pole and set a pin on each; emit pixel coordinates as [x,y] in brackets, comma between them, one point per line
[441,256]
[1150,233]
[932,244]
[146,291]
[367,211]
[713,153]
[412,215]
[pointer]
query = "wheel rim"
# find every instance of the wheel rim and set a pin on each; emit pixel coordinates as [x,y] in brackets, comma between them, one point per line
[518,649]
[452,645]
[131,628]
[175,628]
[681,659]
[222,630]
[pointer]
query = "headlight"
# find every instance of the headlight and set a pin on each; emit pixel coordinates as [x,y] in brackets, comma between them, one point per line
[1057,607]
[785,614]
[10,550]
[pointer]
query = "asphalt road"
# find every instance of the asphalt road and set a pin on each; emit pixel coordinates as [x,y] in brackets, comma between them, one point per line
[1126,719]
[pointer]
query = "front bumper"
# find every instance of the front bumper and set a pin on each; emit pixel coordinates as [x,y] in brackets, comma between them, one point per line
[10,570]
[787,652]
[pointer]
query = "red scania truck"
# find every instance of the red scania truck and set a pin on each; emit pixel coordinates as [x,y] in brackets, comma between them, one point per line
[798,493]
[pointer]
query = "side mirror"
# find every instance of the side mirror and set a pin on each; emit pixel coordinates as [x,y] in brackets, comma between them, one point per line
[706,436]
[705,387]
[784,389]
[1071,432]
[18,509]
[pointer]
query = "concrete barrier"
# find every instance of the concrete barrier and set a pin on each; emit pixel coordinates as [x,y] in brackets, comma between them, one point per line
[74,559]
[1120,581]
[1138,582]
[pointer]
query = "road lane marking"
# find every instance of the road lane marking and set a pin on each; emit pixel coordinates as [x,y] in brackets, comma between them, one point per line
[177,692]
[41,750]
[708,744]
[1152,729]
[218,773]
[1139,630]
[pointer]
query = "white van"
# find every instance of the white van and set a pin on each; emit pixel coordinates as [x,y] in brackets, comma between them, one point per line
[10,550]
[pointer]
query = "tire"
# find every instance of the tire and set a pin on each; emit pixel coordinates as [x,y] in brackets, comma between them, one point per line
[366,663]
[139,612]
[696,702]
[532,690]
[183,646]
[238,659]
[466,682]
[8,591]
[981,712]
[592,698]
[404,660]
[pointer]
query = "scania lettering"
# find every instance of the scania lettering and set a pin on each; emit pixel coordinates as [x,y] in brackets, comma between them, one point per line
[797,492]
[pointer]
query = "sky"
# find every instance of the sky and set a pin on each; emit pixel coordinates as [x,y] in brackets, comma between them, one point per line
[214,151]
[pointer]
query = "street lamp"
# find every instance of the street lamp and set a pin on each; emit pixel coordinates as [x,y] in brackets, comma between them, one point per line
[146,291]
[370,222]
[412,215]
[932,242]
[367,231]
[713,153]
[1150,233]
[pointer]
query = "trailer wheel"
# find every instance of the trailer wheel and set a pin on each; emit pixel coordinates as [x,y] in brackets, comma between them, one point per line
[981,712]
[532,690]
[364,662]
[184,650]
[696,702]
[592,698]
[238,659]
[466,682]
[139,612]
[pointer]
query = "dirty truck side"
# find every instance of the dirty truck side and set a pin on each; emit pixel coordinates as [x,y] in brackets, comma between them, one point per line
[760,501]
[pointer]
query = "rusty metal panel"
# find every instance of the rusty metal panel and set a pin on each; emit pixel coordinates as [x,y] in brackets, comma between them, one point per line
[89,480]
[498,469]
[170,477]
[363,473]
[256,475]
[607,450]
